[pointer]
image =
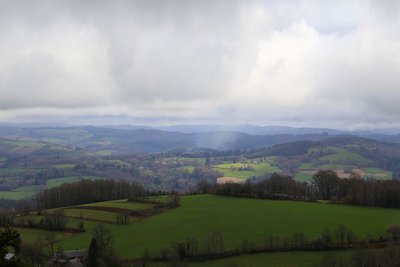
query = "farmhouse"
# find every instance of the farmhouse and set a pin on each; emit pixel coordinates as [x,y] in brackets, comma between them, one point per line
[70,258]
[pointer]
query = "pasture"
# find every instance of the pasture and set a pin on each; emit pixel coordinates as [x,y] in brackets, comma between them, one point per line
[343,156]
[105,211]
[63,166]
[237,220]
[279,259]
[366,173]
[21,192]
[239,170]
[29,191]
[22,143]
[94,215]
[119,204]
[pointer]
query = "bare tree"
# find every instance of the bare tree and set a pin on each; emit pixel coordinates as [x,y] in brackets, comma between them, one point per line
[104,239]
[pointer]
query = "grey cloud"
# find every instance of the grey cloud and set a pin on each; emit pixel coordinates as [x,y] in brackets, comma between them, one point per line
[248,61]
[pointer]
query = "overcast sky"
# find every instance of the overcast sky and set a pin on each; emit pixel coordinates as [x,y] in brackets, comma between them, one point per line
[302,63]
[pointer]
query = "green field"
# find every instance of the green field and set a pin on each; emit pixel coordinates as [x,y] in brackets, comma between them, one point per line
[29,191]
[105,212]
[63,166]
[279,259]
[306,166]
[343,156]
[53,140]
[22,143]
[237,220]
[200,161]
[302,177]
[366,173]
[21,192]
[97,215]
[15,195]
[121,204]
[259,169]
[377,173]
[334,166]
[189,168]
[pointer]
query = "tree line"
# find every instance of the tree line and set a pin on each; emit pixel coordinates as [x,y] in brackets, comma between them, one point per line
[88,191]
[213,246]
[325,185]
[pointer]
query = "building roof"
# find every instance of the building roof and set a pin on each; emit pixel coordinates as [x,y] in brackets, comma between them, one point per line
[72,254]
[9,256]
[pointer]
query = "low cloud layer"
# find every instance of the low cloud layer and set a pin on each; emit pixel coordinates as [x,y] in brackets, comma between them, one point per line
[310,63]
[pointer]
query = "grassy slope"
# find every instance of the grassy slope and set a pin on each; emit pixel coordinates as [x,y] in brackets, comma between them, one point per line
[259,169]
[105,215]
[21,192]
[341,159]
[292,259]
[302,177]
[63,166]
[91,215]
[123,204]
[29,191]
[238,220]
[344,156]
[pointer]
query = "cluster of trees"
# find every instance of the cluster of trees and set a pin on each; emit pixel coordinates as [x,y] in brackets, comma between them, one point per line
[53,221]
[325,185]
[354,190]
[88,191]
[101,249]
[45,252]
[277,186]
[243,168]
[7,216]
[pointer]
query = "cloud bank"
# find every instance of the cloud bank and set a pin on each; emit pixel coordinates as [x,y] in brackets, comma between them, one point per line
[314,63]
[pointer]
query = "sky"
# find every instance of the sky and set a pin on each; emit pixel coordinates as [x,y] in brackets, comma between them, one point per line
[329,64]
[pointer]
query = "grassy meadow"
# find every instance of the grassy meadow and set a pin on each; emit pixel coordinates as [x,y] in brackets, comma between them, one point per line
[339,160]
[237,220]
[279,259]
[258,169]
[119,204]
[29,191]
[21,192]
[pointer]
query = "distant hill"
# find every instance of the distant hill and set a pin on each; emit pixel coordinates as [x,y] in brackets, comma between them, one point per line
[344,154]
[250,129]
[126,139]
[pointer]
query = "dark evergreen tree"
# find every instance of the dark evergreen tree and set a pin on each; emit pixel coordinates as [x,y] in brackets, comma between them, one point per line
[93,254]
